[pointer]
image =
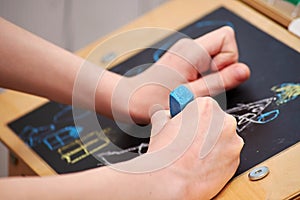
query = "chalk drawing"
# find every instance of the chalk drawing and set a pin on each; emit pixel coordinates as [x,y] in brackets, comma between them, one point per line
[33,136]
[286,92]
[61,137]
[254,112]
[140,150]
[214,23]
[72,148]
[83,147]
[49,135]
[268,116]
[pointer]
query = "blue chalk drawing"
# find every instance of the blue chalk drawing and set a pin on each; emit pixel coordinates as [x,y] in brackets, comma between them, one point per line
[49,135]
[214,23]
[267,117]
[62,137]
[32,136]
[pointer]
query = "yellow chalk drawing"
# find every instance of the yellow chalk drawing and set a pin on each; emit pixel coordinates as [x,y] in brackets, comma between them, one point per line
[81,148]
[286,92]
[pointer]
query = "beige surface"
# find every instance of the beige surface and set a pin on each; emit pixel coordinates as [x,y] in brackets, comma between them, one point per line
[284,179]
[13,105]
[281,11]
[280,15]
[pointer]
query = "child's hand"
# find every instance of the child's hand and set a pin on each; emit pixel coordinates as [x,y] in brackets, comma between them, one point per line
[208,65]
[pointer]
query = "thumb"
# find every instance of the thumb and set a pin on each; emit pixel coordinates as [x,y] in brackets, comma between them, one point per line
[158,120]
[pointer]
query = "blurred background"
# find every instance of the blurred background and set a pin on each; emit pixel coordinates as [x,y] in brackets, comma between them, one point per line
[71,24]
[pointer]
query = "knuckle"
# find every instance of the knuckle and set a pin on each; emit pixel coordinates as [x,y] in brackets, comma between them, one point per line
[234,151]
[228,31]
[209,108]
[233,56]
[184,41]
[231,122]
[181,43]
[237,145]
[205,102]
[240,142]
[236,163]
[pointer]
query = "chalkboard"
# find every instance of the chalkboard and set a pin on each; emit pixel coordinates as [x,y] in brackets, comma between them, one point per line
[266,107]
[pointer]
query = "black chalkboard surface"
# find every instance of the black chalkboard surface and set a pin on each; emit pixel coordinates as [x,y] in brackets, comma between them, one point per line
[266,107]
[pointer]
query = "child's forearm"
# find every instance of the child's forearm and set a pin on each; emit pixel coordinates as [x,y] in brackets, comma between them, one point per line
[93,184]
[100,183]
[33,65]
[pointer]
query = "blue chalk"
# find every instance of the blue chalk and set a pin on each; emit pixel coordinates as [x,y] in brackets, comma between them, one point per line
[179,98]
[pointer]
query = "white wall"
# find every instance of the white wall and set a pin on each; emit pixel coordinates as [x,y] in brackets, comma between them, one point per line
[71,24]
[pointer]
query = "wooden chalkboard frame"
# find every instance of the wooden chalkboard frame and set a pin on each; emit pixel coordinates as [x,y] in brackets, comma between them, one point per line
[17,104]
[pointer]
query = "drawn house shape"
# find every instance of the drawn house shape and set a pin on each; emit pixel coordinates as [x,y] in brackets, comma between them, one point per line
[83,147]
[62,137]
[34,135]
